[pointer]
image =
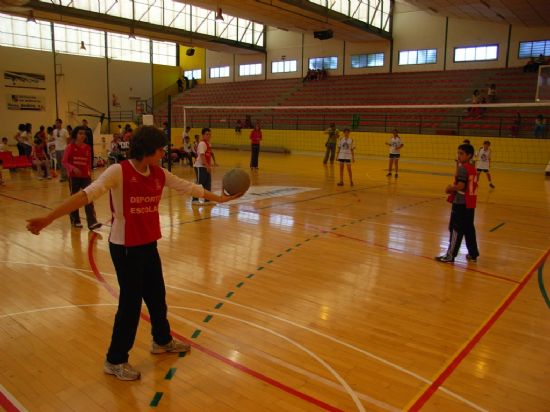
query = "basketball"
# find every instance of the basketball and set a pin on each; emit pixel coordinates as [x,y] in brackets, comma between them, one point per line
[235,181]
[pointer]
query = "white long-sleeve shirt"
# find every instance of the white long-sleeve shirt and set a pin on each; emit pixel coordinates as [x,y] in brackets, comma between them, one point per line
[111,179]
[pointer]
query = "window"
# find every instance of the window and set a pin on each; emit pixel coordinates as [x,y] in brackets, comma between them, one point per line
[428,56]
[70,39]
[534,48]
[359,61]
[250,69]
[121,47]
[283,66]
[16,32]
[164,53]
[217,72]
[327,63]
[476,53]
[193,74]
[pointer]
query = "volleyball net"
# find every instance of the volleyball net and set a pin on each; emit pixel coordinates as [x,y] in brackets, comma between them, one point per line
[430,131]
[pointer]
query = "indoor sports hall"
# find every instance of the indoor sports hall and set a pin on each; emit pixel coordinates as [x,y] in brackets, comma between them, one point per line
[303,294]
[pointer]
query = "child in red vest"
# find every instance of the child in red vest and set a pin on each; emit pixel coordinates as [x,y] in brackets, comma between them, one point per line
[77,161]
[463,196]
[135,187]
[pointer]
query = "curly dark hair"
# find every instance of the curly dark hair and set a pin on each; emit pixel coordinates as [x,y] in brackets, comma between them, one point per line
[145,141]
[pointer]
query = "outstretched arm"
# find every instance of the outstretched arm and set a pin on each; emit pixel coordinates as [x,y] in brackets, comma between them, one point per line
[76,201]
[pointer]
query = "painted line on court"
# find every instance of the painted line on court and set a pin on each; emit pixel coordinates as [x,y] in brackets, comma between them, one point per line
[26,201]
[170,374]
[211,353]
[497,226]
[8,401]
[156,399]
[249,308]
[541,285]
[420,400]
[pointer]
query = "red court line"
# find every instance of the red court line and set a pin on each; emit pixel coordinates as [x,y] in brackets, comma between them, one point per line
[209,352]
[421,256]
[7,404]
[448,371]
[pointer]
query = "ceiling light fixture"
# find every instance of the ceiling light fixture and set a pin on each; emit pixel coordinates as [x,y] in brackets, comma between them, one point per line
[82,45]
[219,15]
[30,18]
[132,35]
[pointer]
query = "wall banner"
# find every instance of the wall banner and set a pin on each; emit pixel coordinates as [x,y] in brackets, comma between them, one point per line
[24,80]
[25,102]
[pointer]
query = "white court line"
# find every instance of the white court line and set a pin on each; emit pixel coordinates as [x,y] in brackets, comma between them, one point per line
[12,399]
[343,383]
[329,368]
[290,366]
[331,338]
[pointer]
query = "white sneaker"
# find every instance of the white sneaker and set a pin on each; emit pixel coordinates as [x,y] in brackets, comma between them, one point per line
[173,346]
[122,371]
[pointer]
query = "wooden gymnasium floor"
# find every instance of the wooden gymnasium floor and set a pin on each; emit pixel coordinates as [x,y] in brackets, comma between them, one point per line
[326,299]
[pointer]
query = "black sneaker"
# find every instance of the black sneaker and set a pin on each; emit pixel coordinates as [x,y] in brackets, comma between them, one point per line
[396,175]
[340,184]
[445,259]
[492,186]
[471,258]
[388,175]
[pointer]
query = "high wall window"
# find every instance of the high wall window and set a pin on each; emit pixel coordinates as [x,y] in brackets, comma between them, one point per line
[217,72]
[17,32]
[534,48]
[428,56]
[250,69]
[80,41]
[172,13]
[121,47]
[373,12]
[327,63]
[476,53]
[164,53]
[193,74]
[359,61]
[283,66]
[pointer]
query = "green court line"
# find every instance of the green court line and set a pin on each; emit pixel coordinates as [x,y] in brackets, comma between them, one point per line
[207,318]
[298,244]
[229,294]
[250,276]
[156,399]
[541,286]
[219,305]
[196,334]
[279,255]
[240,284]
[289,249]
[307,240]
[270,261]
[182,354]
[497,226]
[170,374]
[260,268]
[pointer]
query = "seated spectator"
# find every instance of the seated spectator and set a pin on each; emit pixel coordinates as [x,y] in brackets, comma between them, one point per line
[20,137]
[4,145]
[40,159]
[248,122]
[115,153]
[540,126]
[530,66]
[540,60]
[516,125]
[238,126]
[492,93]
[186,151]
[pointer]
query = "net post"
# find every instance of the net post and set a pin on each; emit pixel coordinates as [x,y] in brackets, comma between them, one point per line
[169,132]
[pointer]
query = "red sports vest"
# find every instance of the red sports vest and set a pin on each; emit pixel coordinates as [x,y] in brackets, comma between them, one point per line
[141,196]
[208,154]
[79,156]
[470,191]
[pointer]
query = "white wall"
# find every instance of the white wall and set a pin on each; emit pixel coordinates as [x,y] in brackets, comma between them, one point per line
[217,59]
[250,59]
[367,48]
[284,43]
[525,34]
[130,82]
[323,48]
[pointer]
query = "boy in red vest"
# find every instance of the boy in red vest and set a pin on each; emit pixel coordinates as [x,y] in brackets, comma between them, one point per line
[135,187]
[78,164]
[463,196]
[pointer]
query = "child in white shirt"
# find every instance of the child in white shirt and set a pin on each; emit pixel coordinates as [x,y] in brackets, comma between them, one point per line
[346,155]
[395,145]
[484,161]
